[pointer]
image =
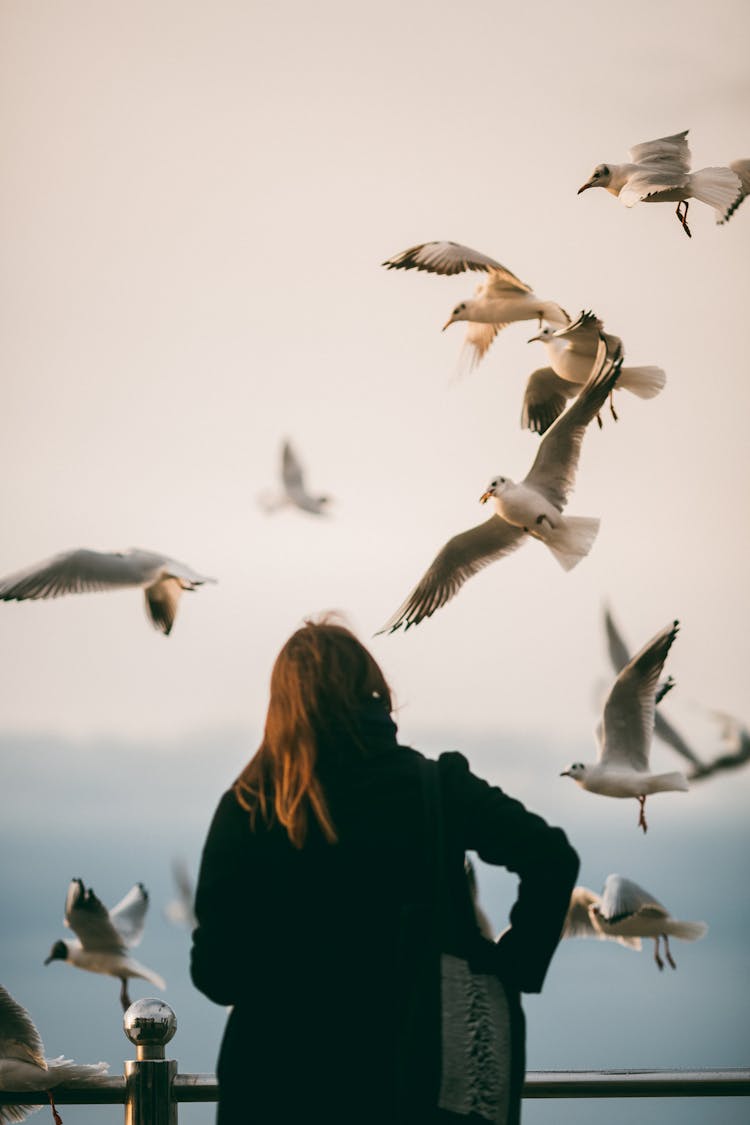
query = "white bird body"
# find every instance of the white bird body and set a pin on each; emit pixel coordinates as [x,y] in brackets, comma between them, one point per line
[104,936]
[626,731]
[659,172]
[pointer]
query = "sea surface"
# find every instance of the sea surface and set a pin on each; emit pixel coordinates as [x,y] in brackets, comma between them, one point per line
[113,813]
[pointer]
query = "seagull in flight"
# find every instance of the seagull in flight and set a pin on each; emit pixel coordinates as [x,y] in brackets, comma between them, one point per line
[532,508]
[77,572]
[626,913]
[572,352]
[294,492]
[104,936]
[626,730]
[24,1067]
[659,172]
[498,301]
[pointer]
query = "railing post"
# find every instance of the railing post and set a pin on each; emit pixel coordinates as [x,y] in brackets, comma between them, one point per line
[149,1025]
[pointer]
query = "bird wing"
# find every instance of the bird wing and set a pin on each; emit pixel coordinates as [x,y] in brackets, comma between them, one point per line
[460,558]
[618,652]
[545,399]
[19,1038]
[129,915]
[450,258]
[583,334]
[89,920]
[479,336]
[554,469]
[291,471]
[621,898]
[578,921]
[162,600]
[651,181]
[671,152]
[628,721]
[742,169]
[75,572]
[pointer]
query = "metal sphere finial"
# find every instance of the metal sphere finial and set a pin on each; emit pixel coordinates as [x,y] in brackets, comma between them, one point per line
[149,1023]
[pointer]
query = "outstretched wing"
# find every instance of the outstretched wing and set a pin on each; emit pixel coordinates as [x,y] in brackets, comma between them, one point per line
[19,1038]
[578,921]
[545,398]
[621,898]
[129,915]
[670,152]
[89,920]
[461,557]
[77,572]
[449,258]
[291,471]
[554,470]
[628,721]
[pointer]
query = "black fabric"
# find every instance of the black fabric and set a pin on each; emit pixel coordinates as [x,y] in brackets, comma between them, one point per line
[318,949]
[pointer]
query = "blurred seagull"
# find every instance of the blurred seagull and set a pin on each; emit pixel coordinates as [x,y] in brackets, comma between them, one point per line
[572,352]
[736,738]
[659,172]
[76,572]
[24,1067]
[626,730]
[532,508]
[498,301]
[105,935]
[294,491]
[626,913]
[180,910]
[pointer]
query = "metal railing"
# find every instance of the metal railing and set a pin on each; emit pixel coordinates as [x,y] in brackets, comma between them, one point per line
[150,1089]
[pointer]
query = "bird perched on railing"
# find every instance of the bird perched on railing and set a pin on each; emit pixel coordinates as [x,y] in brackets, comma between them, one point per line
[24,1067]
[626,913]
[104,936]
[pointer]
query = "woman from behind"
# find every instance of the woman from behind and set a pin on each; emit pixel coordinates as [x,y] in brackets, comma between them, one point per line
[316,903]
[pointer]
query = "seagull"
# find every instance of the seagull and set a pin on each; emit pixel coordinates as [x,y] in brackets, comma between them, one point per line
[571,352]
[498,301]
[626,913]
[77,572]
[620,656]
[180,910]
[626,730]
[736,738]
[105,935]
[659,172]
[532,508]
[24,1067]
[294,492]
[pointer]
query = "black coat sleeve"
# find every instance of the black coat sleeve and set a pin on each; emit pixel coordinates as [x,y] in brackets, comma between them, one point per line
[482,818]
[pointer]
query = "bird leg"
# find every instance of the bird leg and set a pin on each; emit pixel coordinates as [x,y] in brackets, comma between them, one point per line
[642,816]
[612,410]
[670,958]
[55,1114]
[599,422]
[682,216]
[124,998]
[657,958]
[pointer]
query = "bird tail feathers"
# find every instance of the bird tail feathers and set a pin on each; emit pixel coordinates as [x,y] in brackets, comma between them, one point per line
[718,187]
[572,540]
[688,931]
[141,971]
[646,382]
[668,783]
[65,1070]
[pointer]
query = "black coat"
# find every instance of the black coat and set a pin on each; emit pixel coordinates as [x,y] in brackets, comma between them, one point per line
[309,944]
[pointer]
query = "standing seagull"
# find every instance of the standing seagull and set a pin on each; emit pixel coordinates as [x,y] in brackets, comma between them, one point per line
[626,730]
[626,913]
[24,1067]
[659,172]
[105,935]
[532,508]
[294,490]
[77,572]
[572,352]
[499,301]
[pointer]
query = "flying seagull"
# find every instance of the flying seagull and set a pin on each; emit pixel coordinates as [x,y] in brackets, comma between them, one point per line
[626,730]
[572,352]
[77,572]
[180,910]
[294,492]
[736,738]
[532,508]
[104,936]
[626,913]
[498,301]
[659,172]
[24,1067]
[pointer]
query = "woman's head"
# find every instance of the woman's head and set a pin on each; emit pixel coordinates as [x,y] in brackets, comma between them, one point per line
[321,681]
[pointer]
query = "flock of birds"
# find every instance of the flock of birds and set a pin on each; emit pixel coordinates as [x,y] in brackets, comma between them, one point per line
[585,367]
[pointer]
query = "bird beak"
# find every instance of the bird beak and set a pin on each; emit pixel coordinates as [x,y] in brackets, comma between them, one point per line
[588,184]
[485,497]
[565,773]
[531,339]
[47,960]
[447,324]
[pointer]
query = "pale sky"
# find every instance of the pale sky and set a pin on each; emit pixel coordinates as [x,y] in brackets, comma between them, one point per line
[195,201]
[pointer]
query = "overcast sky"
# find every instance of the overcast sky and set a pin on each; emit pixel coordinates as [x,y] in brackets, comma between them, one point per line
[194,204]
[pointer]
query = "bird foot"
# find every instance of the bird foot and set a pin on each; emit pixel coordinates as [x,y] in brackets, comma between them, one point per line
[642,815]
[124,997]
[668,952]
[599,422]
[612,410]
[55,1114]
[682,216]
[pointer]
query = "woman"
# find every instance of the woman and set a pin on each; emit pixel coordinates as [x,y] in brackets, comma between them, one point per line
[315,901]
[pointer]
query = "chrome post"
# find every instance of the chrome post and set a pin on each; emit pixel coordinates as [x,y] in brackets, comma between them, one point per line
[149,1025]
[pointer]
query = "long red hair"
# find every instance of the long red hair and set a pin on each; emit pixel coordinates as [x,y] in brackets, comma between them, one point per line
[321,680]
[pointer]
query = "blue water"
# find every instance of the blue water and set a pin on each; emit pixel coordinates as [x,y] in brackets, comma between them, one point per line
[114,813]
